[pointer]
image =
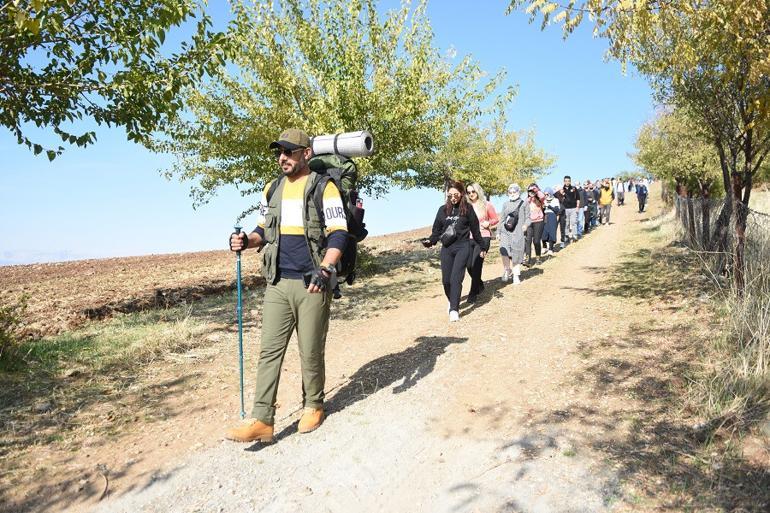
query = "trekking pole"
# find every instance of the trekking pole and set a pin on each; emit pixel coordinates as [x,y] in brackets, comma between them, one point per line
[239,311]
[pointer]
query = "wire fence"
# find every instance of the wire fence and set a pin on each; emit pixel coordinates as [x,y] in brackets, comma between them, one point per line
[709,227]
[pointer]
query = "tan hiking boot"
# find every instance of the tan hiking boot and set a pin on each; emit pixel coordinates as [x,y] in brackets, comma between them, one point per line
[255,431]
[312,418]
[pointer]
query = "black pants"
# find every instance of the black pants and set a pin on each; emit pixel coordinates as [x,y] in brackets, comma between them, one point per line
[534,235]
[454,259]
[562,226]
[642,201]
[475,266]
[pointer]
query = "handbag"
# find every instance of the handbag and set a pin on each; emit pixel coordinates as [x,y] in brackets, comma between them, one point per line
[449,235]
[512,219]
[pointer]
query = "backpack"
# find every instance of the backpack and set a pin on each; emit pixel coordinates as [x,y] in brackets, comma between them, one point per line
[512,219]
[344,173]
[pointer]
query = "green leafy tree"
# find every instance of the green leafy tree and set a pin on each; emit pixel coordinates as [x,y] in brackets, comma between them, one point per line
[330,67]
[675,148]
[493,157]
[62,61]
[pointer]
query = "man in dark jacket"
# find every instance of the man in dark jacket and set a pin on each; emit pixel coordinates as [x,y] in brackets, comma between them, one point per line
[641,195]
[571,204]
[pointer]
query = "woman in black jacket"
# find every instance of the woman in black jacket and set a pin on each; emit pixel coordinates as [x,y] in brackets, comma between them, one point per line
[455,223]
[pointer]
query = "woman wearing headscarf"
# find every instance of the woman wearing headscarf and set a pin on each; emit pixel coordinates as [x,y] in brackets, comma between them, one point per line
[488,219]
[514,221]
[455,220]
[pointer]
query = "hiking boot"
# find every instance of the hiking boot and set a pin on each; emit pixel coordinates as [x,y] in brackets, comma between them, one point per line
[454,316]
[312,418]
[255,431]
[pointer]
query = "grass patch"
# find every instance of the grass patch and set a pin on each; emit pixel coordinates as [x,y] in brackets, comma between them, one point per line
[11,324]
[93,382]
[684,371]
[125,341]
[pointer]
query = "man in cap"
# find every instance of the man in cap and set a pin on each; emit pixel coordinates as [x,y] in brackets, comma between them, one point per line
[298,262]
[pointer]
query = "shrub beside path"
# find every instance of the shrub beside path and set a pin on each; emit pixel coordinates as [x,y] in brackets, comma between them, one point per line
[510,409]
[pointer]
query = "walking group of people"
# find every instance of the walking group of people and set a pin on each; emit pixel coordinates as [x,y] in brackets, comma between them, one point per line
[301,248]
[538,219]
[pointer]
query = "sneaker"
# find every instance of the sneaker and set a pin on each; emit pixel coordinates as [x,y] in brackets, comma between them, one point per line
[507,274]
[254,431]
[454,316]
[471,299]
[312,418]
[516,279]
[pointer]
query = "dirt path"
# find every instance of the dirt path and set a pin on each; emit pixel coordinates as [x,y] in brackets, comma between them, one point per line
[507,410]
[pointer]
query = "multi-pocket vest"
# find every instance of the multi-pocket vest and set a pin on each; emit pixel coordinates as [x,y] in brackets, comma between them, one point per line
[313,227]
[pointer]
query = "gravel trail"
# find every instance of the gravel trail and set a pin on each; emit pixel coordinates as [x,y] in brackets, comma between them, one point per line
[480,415]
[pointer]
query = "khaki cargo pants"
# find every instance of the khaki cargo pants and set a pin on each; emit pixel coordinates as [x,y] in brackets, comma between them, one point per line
[288,306]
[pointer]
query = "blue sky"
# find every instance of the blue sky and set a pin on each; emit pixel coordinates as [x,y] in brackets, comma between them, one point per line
[110,199]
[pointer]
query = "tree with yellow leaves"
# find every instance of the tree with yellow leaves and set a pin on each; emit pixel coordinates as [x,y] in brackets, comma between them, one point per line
[711,58]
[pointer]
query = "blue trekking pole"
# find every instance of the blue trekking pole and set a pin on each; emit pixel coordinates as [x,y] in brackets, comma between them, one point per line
[239,311]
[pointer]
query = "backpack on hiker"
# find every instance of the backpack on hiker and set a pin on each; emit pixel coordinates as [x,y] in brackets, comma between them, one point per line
[343,172]
[512,219]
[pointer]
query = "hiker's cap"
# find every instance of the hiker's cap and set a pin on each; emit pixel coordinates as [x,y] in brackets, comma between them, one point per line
[291,139]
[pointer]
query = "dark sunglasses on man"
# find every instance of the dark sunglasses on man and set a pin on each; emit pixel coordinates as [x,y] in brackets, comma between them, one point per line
[285,151]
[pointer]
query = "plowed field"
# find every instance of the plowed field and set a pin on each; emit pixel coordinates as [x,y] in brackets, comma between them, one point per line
[64,295]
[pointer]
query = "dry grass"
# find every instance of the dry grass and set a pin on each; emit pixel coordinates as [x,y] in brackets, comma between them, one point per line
[108,377]
[734,390]
[93,380]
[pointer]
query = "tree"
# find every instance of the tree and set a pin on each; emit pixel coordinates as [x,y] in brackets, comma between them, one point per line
[492,157]
[709,57]
[330,67]
[65,60]
[676,149]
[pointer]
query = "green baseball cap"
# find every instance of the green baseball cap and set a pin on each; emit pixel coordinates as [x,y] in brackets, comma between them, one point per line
[291,139]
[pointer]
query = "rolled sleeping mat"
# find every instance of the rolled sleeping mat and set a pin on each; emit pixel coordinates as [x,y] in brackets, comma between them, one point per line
[349,144]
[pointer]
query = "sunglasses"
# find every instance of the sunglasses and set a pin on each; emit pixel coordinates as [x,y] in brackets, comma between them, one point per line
[285,151]
[453,195]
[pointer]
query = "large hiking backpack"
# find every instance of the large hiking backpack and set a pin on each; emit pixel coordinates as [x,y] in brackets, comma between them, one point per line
[344,173]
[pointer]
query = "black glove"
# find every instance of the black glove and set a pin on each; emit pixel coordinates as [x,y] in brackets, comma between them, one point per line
[244,237]
[426,242]
[319,278]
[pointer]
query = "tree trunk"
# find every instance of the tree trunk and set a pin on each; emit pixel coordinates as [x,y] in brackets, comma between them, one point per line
[741,215]
[721,237]
[705,212]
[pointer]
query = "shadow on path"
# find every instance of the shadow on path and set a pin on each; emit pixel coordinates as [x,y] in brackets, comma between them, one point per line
[406,367]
